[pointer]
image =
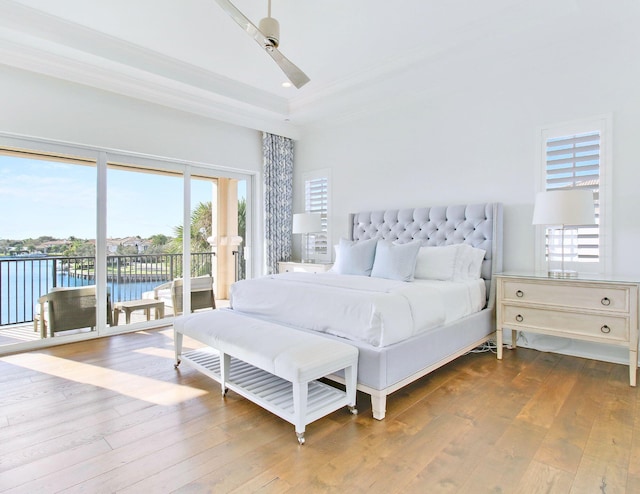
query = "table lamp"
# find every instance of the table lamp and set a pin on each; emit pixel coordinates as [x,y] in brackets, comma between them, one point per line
[572,207]
[304,224]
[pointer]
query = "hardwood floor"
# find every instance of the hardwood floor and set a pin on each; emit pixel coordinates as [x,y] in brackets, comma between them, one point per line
[113,415]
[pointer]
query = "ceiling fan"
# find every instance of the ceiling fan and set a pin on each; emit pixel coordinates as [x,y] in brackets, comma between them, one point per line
[268,37]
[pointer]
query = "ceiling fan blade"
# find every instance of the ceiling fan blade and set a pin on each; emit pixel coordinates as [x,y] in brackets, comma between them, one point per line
[242,21]
[293,73]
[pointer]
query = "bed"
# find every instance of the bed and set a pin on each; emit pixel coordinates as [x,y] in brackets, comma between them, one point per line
[401,341]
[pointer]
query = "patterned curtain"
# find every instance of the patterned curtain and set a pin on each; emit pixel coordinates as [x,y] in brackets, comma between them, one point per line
[278,198]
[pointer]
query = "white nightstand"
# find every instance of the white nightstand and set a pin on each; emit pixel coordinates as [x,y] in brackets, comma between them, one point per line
[303,267]
[592,308]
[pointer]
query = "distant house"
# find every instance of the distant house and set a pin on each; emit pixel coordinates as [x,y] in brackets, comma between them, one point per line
[139,243]
[53,246]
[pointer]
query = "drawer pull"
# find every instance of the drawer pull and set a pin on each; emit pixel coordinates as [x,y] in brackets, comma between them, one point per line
[605,329]
[519,294]
[605,301]
[519,318]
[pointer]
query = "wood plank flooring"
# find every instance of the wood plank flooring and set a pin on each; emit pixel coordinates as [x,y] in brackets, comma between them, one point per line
[113,415]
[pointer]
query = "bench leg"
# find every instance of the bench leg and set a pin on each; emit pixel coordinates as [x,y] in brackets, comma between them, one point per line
[177,341]
[300,395]
[350,379]
[225,364]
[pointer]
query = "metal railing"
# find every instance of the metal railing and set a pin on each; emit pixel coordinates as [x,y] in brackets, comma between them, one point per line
[23,280]
[239,264]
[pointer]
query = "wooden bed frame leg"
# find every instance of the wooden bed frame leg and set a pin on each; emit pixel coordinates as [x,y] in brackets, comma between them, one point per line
[379,406]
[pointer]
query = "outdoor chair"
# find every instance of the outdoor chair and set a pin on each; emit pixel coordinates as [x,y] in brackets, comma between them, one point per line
[202,296]
[68,308]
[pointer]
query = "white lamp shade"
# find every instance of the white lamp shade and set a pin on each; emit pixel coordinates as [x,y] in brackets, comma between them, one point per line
[564,207]
[307,223]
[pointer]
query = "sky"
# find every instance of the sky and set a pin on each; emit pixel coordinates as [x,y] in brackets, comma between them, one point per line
[57,199]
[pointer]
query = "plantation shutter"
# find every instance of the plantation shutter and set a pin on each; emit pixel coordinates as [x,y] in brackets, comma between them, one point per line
[573,162]
[316,201]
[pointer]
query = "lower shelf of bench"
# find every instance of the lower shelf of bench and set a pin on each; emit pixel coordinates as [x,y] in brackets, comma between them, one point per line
[270,392]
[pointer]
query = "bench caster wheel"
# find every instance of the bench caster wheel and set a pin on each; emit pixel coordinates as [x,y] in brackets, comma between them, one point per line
[353,410]
[224,392]
[300,436]
[175,366]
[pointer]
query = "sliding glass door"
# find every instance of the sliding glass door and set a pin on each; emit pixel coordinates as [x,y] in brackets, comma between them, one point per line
[143,240]
[47,246]
[112,242]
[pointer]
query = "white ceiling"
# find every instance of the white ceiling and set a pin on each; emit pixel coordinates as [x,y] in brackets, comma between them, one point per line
[188,54]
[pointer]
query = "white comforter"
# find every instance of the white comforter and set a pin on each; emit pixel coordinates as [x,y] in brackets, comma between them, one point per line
[373,310]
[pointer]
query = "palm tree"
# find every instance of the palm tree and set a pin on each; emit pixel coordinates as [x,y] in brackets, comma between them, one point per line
[200,230]
[242,218]
[242,231]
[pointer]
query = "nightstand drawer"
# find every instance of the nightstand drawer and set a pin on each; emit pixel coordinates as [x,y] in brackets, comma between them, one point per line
[605,327]
[597,297]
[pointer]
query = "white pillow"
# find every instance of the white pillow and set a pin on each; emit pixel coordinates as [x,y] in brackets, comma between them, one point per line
[475,257]
[354,257]
[395,261]
[436,263]
[457,262]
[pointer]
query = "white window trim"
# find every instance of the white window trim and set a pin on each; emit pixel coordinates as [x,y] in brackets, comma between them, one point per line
[314,175]
[604,123]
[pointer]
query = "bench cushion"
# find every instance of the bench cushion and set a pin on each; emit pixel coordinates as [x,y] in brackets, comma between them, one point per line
[294,355]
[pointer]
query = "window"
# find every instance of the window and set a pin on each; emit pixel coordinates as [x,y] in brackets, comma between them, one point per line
[575,156]
[316,193]
[80,216]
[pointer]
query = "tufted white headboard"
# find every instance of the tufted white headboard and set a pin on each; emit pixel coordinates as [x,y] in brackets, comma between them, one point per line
[479,225]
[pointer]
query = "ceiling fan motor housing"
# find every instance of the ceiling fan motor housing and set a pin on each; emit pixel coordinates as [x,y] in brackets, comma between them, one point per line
[271,29]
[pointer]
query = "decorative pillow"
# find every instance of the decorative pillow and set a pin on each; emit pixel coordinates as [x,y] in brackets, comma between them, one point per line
[395,261]
[354,257]
[458,262]
[475,257]
[436,263]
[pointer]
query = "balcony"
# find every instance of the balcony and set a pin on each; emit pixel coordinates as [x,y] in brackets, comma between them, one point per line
[24,279]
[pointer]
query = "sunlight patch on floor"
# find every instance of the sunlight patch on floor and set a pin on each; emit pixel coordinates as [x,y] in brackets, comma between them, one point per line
[165,352]
[139,387]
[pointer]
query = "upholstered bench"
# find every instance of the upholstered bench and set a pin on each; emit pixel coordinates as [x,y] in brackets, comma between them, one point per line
[274,366]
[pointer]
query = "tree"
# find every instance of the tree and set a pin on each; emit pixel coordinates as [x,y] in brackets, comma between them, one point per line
[80,248]
[242,219]
[201,227]
[126,250]
[159,240]
[200,230]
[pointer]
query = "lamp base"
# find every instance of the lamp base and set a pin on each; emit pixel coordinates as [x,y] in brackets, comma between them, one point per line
[562,273]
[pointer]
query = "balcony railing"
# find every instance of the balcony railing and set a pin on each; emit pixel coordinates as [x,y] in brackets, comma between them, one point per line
[25,279]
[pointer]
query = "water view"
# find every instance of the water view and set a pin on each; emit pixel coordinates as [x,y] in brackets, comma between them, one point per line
[24,279]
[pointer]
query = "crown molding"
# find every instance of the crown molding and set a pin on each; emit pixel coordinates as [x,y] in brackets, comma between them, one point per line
[31,40]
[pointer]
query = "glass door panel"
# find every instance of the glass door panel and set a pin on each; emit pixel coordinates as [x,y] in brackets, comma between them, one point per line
[47,246]
[143,241]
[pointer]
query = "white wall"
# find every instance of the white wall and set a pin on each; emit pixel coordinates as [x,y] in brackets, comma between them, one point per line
[44,107]
[477,142]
